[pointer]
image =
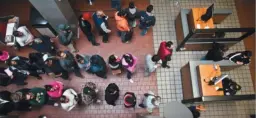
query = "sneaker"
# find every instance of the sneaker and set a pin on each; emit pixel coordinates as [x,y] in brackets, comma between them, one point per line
[55,104]
[90,3]
[98,101]
[96,44]
[131,80]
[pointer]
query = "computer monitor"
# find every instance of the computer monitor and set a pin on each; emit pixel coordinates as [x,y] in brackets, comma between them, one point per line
[209,13]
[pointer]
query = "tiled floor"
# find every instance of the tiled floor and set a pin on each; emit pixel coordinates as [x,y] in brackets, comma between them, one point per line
[169,80]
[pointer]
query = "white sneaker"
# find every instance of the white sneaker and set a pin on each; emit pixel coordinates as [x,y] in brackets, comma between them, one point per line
[131,80]
[96,90]
[90,2]
[56,104]
[98,101]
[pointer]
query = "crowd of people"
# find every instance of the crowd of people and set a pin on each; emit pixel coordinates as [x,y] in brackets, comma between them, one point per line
[59,64]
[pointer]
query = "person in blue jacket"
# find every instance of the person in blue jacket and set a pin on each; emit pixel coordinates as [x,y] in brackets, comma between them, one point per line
[147,20]
[100,21]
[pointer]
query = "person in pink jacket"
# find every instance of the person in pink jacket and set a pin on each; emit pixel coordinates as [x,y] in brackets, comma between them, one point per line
[54,89]
[4,55]
[129,62]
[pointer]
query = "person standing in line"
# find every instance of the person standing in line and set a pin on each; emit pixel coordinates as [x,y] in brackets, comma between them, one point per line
[86,27]
[111,94]
[147,20]
[69,99]
[129,62]
[165,52]
[89,93]
[43,44]
[152,63]
[122,24]
[66,37]
[150,101]
[54,69]
[217,52]
[37,96]
[132,13]
[240,58]
[100,21]
[129,100]
[114,62]
[54,89]
[94,64]
[69,63]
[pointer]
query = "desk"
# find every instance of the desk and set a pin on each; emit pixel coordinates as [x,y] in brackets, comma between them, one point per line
[206,72]
[195,19]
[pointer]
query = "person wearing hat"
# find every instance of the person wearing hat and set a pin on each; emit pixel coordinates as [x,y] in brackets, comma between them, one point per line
[240,58]
[100,21]
[69,99]
[89,93]
[129,100]
[66,37]
[94,64]
[68,63]
[111,94]
[150,101]
[54,69]
[86,27]
[54,89]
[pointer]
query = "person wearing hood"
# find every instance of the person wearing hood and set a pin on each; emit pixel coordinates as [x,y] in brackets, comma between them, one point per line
[165,52]
[69,63]
[66,37]
[43,44]
[86,27]
[94,64]
[129,62]
[122,24]
[150,101]
[100,21]
[111,94]
[89,93]
[147,20]
[132,14]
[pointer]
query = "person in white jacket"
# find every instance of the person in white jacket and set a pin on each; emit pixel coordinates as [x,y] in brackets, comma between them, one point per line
[69,99]
[22,37]
[151,64]
[150,101]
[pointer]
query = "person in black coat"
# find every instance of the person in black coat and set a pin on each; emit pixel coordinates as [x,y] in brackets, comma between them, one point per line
[19,98]
[6,105]
[241,58]
[12,77]
[54,69]
[43,44]
[217,52]
[86,27]
[111,94]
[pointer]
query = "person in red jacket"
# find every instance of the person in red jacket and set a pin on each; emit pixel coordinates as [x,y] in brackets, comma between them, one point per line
[165,52]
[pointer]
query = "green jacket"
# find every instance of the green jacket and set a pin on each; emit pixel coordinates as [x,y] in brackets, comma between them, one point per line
[39,93]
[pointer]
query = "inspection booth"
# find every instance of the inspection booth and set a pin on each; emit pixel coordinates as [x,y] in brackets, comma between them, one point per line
[195,76]
[196,29]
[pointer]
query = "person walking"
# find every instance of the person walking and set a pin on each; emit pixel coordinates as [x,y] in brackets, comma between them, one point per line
[165,52]
[69,63]
[66,37]
[129,62]
[132,13]
[240,58]
[100,21]
[152,63]
[147,20]
[69,99]
[150,101]
[112,94]
[122,24]
[86,28]
[114,62]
